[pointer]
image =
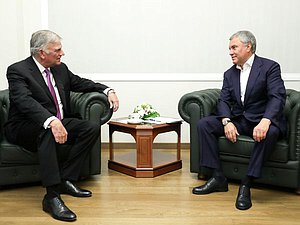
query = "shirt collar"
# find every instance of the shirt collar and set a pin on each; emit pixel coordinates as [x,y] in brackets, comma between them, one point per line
[40,66]
[248,63]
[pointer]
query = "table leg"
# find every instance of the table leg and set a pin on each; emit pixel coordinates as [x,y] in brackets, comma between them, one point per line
[178,143]
[111,153]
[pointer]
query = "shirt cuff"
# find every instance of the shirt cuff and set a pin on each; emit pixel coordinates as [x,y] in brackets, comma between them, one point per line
[48,121]
[225,118]
[107,90]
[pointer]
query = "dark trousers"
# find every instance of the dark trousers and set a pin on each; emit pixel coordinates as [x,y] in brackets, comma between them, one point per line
[210,129]
[82,135]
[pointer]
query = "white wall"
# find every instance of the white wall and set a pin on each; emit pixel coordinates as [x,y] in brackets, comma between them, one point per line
[171,36]
[9,37]
[152,50]
[18,20]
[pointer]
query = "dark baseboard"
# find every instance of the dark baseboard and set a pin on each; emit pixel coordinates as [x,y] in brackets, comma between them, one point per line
[123,145]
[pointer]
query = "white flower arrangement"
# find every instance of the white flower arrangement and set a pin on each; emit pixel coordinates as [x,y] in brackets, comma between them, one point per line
[146,111]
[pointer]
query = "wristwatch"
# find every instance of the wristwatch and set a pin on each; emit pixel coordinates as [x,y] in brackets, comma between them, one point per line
[226,121]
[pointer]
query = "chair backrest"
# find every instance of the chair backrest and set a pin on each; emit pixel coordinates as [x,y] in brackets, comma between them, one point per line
[292,113]
[291,108]
[4,107]
[292,100]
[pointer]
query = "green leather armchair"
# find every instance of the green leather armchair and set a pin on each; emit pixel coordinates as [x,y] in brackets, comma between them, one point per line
[282,168]
[18,165]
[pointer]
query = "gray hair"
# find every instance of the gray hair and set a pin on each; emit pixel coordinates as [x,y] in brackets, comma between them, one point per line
[245,37]
[40,40]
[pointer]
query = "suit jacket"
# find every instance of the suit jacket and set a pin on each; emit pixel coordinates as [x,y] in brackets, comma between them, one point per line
[264,97]
[30,98]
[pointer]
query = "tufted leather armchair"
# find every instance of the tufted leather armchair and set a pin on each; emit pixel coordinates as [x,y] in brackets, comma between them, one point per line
[283,166]
[18,165]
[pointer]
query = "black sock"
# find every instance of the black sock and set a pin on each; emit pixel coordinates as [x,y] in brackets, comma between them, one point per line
[53,190]
[248,180]
[219,175]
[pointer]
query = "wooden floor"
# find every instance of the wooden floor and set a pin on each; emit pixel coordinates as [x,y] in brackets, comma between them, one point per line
[120,200]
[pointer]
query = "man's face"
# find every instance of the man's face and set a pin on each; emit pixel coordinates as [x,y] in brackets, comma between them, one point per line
[53,54]
[239,51]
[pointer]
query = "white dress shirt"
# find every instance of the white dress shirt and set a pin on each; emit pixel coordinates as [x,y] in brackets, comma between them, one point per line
[244,76]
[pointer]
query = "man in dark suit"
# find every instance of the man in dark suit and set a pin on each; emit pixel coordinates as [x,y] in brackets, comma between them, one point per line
[251,102]
[39,118]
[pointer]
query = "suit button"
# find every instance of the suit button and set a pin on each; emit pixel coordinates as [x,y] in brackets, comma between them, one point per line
[34,171]
[15,173]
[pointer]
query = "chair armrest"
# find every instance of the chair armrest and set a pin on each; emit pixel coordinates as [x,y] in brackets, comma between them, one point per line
[192,107]
[92,106]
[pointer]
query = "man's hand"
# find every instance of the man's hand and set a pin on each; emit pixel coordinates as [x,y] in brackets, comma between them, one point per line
[260,131]
[113,100]
[59,132]
[231,132]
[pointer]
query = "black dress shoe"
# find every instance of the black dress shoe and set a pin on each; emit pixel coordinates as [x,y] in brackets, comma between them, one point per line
[243,200]
[57,209]
[69,188]
[212,185]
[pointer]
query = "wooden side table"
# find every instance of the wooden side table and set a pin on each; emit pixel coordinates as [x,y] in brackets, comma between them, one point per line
[146,164]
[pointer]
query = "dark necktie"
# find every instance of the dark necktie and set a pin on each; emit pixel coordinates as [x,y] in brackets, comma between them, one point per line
[51,89]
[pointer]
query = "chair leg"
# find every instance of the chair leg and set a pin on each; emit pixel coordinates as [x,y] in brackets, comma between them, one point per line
[297,191]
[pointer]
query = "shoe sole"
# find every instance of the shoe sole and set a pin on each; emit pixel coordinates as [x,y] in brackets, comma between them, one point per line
[75,195]
[243,208]
[240,208]
[205,193]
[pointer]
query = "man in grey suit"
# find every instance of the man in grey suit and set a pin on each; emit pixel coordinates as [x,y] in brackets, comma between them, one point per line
[39,118]
[251,102]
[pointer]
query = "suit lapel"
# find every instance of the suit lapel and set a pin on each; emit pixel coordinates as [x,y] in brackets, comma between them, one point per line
[237,85]
[254,74]
[37,76]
